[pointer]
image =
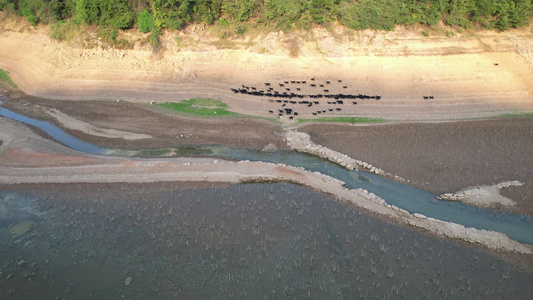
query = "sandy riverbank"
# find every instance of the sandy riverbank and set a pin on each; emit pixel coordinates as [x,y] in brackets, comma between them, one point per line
[401,66]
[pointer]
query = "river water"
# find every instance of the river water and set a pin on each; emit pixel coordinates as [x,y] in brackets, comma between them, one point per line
[253,241]
[518,227]
[248,241]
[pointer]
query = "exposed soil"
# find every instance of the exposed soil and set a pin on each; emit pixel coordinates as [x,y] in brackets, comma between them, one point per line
[438,157]
[443,157]
[166,129]
[402,66]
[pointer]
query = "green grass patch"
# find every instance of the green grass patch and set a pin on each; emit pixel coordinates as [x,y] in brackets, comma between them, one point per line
[4,76]
[526,115]
[199,107]
[343,120]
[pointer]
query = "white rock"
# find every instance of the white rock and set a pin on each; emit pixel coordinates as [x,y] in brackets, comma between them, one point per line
[420,216]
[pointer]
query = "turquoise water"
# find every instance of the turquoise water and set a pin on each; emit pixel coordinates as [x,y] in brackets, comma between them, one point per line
[414,200]
[518,227]
[247,241]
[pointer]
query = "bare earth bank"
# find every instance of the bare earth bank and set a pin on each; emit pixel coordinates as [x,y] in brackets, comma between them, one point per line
[439,157]
[443,157]
[401,66]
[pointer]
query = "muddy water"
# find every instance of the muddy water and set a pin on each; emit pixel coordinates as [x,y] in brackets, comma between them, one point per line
[253,241]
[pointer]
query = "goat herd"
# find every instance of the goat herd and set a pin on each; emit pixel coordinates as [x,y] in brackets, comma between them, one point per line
[292,94]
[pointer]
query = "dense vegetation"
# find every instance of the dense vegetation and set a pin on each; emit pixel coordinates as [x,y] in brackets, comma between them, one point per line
[151,15]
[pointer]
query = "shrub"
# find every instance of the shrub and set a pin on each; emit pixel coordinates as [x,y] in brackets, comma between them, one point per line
[64,30]
[124,21]
[145,21]
[154,39]
[87,12]
[241,29]
[223,22]
[30,16]
[60,9]
[425,33]
[113,36]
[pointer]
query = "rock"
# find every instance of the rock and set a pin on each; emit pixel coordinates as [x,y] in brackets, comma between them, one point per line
[270,148]
[420,216]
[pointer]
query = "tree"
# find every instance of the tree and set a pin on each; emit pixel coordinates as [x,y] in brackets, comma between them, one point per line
[61,9]
[171,13]
[87,11]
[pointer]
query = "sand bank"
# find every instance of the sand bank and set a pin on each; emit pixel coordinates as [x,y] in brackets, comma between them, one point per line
[75,124]
[483,196]
[301,141]
[401,66]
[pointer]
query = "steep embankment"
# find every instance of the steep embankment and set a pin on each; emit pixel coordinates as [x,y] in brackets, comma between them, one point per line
[470,75]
